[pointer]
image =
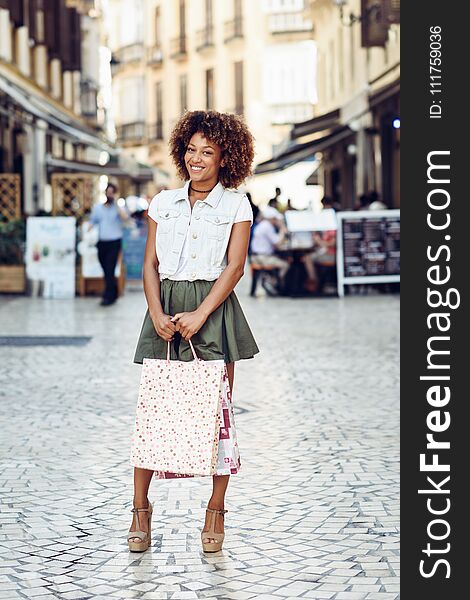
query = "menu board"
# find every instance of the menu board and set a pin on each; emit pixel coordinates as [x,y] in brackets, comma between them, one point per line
[369,246]
[50,256]
[133,245]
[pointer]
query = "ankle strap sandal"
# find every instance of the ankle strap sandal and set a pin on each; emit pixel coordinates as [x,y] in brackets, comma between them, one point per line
[219,537]
[144,536]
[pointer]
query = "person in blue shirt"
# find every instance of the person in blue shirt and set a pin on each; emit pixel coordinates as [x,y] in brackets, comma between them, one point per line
[109,220]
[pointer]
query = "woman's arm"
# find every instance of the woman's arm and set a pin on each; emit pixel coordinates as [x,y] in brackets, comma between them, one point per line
[162,323]
[189,323]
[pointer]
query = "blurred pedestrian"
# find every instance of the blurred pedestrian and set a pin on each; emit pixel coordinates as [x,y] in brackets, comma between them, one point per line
[196,251]
[374,201]
[321,263]
[276,202]
[109,218]
[256,212]
[267,237]
[363,203]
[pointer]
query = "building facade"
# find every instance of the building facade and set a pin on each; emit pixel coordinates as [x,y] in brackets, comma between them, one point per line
[359,75]
[49,88]
[355,131]
[236,56]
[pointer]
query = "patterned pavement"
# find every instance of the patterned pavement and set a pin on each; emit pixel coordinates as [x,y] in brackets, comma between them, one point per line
[313,512]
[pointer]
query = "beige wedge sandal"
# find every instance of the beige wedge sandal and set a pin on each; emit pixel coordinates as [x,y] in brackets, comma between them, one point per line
[144,536]
[216,546]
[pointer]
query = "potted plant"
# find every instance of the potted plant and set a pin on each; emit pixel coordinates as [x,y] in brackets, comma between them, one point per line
[12,244]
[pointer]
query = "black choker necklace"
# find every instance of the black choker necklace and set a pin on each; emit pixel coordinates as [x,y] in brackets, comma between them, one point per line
[201,191]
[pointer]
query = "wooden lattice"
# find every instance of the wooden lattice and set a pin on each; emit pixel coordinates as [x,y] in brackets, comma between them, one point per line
[73,194]
[10,196]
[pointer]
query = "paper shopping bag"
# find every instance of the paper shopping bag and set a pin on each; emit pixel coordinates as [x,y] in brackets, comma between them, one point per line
[177,419]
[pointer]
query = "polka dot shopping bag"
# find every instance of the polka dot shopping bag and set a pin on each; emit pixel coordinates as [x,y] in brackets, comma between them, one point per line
[178,412]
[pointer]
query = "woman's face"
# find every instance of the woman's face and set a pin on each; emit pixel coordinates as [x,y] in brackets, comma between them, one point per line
[203,159]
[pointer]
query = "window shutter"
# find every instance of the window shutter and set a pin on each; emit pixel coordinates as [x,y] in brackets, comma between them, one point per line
[51,27]
[75,41]
[17,12]
[64,36]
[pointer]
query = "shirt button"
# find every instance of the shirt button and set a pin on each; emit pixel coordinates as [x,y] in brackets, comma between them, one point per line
[193,256]
[217,219]
[197,217]
[194,236]
[193,275]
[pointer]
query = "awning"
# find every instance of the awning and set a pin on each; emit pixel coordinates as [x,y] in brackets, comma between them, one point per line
[384,93]
[143,173]
[320,123]
[39,107]
[304,151]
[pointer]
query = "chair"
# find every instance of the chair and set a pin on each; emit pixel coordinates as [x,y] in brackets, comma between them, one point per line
[261,271]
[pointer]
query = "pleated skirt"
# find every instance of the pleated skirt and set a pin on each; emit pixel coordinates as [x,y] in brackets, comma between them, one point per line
[225,335]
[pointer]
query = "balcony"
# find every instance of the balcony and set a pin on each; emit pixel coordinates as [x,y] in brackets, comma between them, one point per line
[289,22]
[134,133]
[155,132]
[233,29]
[155,56]
[205,38]
[133,53]
[178,47]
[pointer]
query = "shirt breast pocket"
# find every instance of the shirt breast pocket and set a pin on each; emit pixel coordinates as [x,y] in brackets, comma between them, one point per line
[216,226]
[166,221]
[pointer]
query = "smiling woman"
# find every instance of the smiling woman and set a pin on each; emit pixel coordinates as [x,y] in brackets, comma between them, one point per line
[195,255]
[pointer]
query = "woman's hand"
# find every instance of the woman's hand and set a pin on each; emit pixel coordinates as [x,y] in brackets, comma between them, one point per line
[164,326]
[189,323]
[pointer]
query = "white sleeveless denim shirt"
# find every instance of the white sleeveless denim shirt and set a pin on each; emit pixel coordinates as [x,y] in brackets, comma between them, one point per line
[209,223]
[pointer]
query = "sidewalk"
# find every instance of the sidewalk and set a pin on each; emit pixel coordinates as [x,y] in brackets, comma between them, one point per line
[313,512]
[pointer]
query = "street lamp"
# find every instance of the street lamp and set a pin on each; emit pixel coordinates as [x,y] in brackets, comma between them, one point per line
[370,9]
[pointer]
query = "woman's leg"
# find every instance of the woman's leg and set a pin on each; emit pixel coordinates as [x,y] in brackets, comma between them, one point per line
[219,483]
[142,479]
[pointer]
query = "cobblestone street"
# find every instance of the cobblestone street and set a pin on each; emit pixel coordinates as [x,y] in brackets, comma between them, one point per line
[313,512]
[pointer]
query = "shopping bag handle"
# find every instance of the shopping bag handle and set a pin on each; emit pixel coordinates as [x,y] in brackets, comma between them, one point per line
[192,350]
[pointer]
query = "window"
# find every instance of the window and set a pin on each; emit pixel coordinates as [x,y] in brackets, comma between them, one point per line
[238,78]
[210,89]
[352,55]
[159,111]
[158,32]
[209,14]
[331,70]
[183,93]
[131,99]
[341,57]
[237,9]
[182,18]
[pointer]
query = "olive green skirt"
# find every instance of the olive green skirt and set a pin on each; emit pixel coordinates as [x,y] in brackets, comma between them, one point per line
[225,335]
